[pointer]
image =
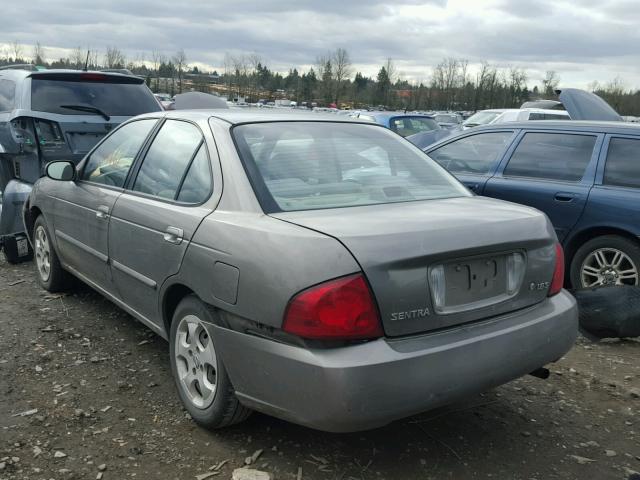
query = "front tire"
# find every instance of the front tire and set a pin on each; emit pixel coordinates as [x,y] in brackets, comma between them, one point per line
[606,261]
[50,274]
[202,381]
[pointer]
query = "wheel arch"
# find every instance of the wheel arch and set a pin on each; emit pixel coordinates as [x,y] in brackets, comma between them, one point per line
[574,243]
[579,238]
[171,297]
[31,213]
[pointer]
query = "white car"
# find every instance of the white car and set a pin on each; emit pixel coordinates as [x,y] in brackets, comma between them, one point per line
[500,115]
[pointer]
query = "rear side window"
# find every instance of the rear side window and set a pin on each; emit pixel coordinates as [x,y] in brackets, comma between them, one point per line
[7,95]
[623,163]
[110,162]
[196,186]
[168,159]
[553,156]
[72,97]
[473,154]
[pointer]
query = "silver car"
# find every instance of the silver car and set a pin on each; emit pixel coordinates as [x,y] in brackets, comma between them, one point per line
[318,269]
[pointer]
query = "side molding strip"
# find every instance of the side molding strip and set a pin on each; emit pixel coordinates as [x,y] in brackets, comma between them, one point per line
[132,273]
[67,238]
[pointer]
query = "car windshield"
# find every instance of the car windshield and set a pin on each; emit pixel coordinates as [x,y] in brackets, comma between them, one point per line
[482,118]
[317,165]
[446,119]
[114,99]
[406,125]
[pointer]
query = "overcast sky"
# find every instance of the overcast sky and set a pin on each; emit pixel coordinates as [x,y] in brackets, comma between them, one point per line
[597,40]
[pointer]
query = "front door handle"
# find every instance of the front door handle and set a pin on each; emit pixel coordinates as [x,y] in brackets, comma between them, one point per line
[173,235]
[102,212]
[564,196]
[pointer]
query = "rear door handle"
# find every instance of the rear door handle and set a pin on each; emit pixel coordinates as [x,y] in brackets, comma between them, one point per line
[102,212]
[565,196]
[173,235]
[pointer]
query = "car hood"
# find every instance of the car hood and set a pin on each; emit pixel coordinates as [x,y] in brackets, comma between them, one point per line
[583,105]
[396,244]
[580,104]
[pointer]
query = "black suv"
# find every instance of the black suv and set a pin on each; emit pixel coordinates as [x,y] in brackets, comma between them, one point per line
[50,115]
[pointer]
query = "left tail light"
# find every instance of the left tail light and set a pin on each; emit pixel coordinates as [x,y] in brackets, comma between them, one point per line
[340,309]
[558,273]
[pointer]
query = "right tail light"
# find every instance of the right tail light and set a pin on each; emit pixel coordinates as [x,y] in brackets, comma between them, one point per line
[558,273]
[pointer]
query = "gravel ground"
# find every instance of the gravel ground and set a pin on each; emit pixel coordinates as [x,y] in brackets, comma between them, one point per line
[86,392]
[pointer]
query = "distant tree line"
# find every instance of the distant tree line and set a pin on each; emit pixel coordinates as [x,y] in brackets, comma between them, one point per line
[332,80]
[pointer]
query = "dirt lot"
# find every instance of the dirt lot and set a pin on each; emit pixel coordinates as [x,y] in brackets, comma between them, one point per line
[101,385]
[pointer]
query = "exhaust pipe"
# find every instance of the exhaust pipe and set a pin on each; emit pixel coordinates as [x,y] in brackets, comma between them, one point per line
[541,372]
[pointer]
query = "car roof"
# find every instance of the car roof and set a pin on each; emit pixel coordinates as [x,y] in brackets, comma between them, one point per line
[249,115]
[387,115]
[19,74]
[498,110]
[545,110]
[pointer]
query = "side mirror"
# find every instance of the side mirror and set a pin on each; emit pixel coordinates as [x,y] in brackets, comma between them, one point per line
[62,170]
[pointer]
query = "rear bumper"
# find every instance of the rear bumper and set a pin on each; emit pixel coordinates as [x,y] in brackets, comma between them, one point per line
[369,385]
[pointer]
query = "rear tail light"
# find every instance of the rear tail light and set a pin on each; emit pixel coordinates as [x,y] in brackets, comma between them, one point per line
[558,273]
[338,309]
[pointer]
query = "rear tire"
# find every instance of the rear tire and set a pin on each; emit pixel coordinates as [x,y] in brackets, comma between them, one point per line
[606,260]
[50,274]
[201,378]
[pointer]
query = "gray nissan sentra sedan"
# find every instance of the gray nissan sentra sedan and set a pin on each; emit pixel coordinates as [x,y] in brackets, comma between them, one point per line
[316,269]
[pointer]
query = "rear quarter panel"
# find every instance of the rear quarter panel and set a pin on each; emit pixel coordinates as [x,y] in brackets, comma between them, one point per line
[610,206]
[251,264]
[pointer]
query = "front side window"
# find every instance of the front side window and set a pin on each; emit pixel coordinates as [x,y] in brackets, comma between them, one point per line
[552,156]
[316,165]
[7,95]
[168,159]
[110,162]
[623,163]
[474,154]
[406,126]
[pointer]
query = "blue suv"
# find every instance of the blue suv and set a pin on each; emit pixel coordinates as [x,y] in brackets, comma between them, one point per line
[584,175]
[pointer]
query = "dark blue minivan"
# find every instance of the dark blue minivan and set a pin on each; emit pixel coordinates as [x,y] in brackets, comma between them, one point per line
[584,175]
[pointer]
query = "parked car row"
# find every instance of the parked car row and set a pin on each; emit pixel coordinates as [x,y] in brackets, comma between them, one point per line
[318,267]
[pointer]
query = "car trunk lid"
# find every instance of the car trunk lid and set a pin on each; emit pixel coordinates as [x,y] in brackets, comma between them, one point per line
[471,240]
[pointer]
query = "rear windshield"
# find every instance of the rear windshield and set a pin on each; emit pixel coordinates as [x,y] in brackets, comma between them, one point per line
[114,99]
[316,165]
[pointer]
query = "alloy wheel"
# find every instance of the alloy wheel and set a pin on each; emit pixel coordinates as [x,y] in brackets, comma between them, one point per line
[196,361]
[43,253]
[608,266]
